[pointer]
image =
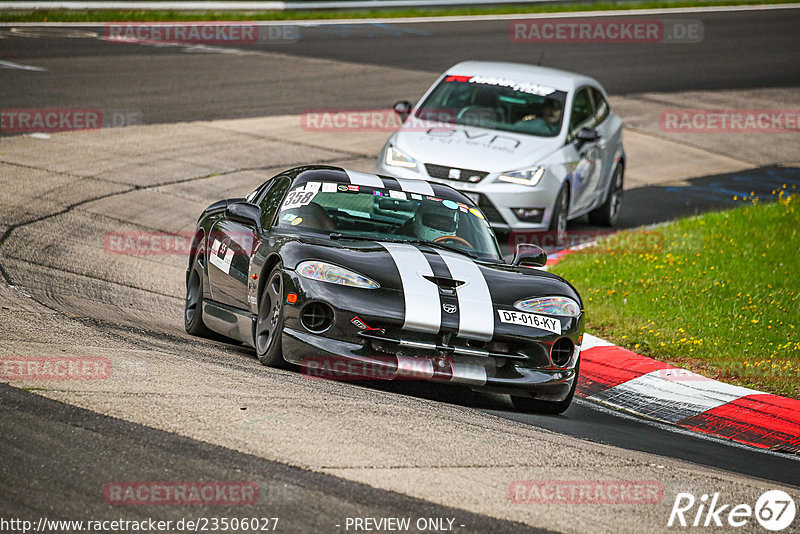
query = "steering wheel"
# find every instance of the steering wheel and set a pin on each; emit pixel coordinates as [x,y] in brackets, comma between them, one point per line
[454,238]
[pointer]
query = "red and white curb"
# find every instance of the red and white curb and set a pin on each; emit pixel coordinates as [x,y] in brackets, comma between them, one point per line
[621,379]
[624,380]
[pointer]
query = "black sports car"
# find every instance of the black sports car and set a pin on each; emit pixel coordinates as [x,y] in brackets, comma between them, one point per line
[352,274]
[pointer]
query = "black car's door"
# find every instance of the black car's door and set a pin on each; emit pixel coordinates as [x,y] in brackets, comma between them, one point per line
[230,245]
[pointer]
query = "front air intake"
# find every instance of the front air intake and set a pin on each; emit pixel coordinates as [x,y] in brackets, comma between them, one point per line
[561,351]
[316,317]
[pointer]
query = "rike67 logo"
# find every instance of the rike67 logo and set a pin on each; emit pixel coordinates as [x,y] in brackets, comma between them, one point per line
[774,510]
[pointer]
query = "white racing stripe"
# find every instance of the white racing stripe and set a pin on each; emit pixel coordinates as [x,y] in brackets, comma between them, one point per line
[422,302]
[476,314]
[362,178]
[415,186]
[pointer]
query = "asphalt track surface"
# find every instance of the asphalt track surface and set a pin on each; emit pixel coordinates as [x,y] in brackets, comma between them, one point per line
[586,420]
[140,77]
[741,50]
[69,440]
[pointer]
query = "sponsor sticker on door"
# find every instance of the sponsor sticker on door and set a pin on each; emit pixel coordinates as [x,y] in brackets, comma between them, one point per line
[221,255]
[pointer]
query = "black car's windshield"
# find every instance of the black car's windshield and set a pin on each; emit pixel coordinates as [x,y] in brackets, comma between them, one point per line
[348,211]
[496,103]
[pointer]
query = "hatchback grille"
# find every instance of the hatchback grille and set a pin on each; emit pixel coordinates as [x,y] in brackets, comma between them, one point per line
[453,173]
[488,209]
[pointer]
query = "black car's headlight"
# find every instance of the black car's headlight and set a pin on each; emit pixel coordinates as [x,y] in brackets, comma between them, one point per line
[333,274]
[563,306]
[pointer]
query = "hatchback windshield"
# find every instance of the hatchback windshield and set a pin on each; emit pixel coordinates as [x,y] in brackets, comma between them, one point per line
[496,103]
[349,211]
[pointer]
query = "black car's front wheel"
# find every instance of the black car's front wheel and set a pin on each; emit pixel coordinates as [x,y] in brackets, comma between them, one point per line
[527,404]
[193,304]
[269,323]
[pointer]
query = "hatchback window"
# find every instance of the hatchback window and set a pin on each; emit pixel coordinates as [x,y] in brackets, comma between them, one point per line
[601,106]
[496,103]
[582,110]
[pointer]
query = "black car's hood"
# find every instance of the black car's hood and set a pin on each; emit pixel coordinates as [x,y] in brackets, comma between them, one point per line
[388,263]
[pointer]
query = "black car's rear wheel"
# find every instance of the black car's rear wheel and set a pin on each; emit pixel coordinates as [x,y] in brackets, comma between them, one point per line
[193,304]
[269,324]
[527,404]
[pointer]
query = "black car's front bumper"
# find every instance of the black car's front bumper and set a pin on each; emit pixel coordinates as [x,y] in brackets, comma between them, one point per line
[322,357]
[384,351]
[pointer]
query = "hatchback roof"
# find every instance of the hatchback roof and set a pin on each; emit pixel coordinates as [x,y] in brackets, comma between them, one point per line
[555,78]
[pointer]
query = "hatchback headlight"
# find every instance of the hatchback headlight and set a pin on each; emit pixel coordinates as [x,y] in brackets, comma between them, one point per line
[333,274]
[549,306]
[525,177]
[396,158]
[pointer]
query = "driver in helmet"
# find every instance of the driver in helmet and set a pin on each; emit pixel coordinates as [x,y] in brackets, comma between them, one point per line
[433,221]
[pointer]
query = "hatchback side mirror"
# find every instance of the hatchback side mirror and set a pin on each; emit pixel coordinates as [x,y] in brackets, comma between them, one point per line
[402,108]
[527,255]
[587,135]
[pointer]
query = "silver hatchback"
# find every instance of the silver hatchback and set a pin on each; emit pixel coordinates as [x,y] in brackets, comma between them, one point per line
[532,146]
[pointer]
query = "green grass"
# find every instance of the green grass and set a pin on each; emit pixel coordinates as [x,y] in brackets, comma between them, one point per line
[162,16]
[718,294]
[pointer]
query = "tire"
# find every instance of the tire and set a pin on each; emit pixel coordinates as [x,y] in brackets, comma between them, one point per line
[558,222]
[608,213]
[269,323]
[527,404]
[193,303]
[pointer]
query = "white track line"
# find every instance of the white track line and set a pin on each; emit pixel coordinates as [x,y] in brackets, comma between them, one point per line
[12,65]
[460,18]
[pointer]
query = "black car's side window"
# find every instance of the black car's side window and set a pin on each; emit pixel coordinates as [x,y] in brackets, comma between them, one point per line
[258,193]
[272,200]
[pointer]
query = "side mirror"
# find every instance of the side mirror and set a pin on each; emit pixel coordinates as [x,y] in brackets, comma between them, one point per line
[527,255]
[587,135]
[402,108]
[245,213]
